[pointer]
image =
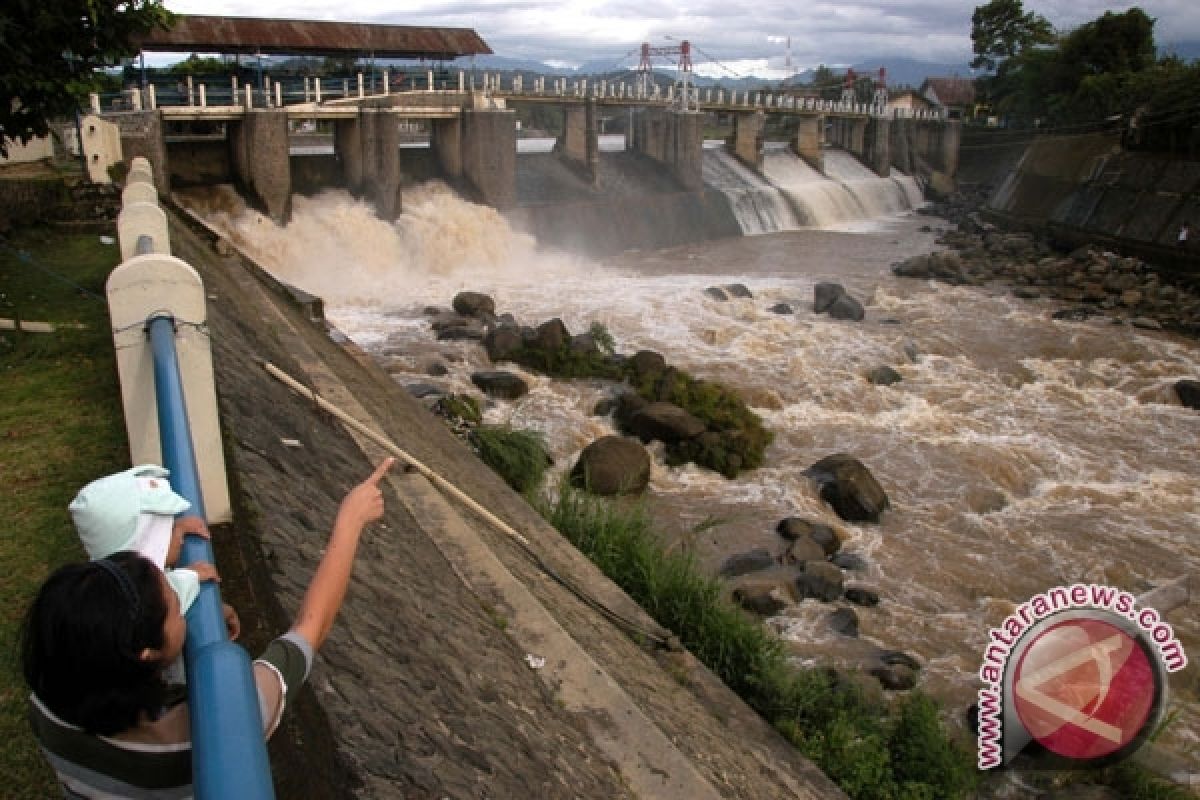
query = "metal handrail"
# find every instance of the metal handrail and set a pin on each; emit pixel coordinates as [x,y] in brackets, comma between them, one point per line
[229,756]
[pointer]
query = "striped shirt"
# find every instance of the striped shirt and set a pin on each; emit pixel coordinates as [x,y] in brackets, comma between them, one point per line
[153,761]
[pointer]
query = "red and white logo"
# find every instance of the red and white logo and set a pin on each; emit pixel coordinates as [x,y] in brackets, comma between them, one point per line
[1084,688]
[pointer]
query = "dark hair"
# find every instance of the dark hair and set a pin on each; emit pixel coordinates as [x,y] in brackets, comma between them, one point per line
[82,638]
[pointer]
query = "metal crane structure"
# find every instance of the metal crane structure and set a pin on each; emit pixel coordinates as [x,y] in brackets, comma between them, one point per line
[684,51]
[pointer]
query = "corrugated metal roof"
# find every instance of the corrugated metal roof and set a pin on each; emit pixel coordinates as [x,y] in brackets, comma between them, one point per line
[207,34]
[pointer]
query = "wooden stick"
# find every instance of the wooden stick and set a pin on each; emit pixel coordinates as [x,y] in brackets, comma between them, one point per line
[391,447]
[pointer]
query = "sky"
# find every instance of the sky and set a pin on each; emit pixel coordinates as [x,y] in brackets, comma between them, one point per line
[729,37]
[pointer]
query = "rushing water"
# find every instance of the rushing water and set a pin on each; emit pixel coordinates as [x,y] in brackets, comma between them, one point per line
[1019,452]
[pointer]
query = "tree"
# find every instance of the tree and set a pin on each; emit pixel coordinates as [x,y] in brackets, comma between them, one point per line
[1113,43]
[1001,29]
[50,51]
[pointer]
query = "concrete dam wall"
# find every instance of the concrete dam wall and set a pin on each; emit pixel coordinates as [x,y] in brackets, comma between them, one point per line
[634,203]
[1089,188]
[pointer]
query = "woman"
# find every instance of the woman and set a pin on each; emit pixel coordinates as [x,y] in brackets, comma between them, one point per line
[99,635]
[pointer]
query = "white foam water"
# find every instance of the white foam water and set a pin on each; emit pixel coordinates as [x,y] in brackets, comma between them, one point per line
[1018,452]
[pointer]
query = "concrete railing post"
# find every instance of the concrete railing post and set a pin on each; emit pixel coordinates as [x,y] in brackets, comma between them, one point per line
[191,91]
[151,97]
[429,80]
[94,102]
[249,101]
[386,88]
[278,94]
[360,85]
[317,89]
[203,96]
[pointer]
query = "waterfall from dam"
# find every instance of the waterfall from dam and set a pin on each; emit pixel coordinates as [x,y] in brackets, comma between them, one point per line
[758,206]
[788,194]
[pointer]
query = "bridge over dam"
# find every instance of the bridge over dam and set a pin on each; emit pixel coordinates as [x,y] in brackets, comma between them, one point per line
[278,140]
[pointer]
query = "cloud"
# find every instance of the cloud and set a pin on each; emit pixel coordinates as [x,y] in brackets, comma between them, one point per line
[822,32]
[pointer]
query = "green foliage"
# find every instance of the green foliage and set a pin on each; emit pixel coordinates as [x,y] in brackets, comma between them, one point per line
[736,439]
[460,406]
[1133,782]
[1002,29]
[1100,74]
[603,339]
[1113,43]
[195,65]
[826,716]
[919,750]
[568,363]
[51,50]
[60,414]
[517,456]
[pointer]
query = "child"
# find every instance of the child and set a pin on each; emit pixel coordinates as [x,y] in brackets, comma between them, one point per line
[135,510]
[98,636]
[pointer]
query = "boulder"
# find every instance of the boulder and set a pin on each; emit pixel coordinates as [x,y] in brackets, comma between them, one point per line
[819,580]
[551,336]
[846,307]
[849,487]
[895,678]
[799,529]
[850,561]
[604,406]
[646,362]
[666,422]
[612,465]
[844,621]
[915,267]
[893,658]
[824,536]
[499,383]
[454,333]
[884,376]
[1188,391]
[738,290]
[781,308]
[502,343]
[801,550]
[860,596]
[420,390]
[474,304]
[825,294]
[745,563]
[716,293]
[584,343]
[628,404]
[766,601]
[436,369]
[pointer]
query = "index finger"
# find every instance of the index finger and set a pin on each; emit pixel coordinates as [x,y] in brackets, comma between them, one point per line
[380,471]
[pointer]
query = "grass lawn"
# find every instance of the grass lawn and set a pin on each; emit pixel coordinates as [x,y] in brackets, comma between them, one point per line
[60,427]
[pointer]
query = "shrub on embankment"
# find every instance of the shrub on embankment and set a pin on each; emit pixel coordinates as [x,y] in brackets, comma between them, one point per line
[871,752]
[727,438]
[518,456]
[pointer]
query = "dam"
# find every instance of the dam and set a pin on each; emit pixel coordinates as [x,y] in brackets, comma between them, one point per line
[1019,451]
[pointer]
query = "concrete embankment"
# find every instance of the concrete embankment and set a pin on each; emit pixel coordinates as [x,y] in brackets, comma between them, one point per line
[428,686]
[1088,188]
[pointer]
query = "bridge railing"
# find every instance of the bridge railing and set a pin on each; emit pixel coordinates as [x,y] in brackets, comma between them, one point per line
[271,93]
[157,307]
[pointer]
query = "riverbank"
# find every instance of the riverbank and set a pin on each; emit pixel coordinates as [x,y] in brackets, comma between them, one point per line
[427,685]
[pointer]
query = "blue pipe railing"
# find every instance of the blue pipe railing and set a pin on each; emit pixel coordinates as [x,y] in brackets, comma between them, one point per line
[229,756]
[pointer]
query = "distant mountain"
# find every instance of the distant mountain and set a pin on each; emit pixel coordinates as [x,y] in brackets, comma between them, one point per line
[900,71]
